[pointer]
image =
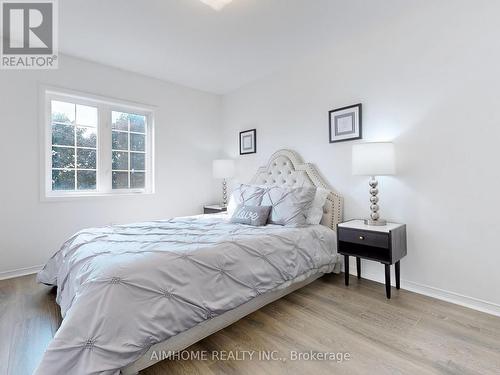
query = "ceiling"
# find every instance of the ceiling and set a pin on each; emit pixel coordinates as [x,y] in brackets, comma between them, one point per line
[189,43]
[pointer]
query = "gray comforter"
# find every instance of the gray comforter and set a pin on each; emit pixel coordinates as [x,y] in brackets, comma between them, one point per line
[124,288]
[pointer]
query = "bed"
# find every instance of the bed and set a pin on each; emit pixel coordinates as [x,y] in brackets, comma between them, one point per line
[130,292]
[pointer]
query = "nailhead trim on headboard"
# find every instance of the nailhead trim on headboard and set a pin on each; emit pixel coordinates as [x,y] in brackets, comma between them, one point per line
[286,168]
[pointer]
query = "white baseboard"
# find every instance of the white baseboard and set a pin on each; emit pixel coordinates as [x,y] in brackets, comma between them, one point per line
[459,299]
[20,272]
[444,295]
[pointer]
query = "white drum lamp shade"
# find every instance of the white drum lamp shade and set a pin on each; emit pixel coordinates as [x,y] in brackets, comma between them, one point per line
[373,159]
[223,168]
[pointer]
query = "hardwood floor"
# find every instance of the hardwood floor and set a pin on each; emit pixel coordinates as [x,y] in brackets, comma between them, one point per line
[409,334]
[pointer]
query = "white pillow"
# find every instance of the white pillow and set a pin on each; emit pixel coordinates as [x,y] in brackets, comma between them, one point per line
[315,213]
[247,195]
[289,205]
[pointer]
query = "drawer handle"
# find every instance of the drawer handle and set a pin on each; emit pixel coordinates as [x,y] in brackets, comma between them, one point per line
[361,237]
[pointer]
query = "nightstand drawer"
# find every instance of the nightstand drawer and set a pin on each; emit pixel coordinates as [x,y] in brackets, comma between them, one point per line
[364,237]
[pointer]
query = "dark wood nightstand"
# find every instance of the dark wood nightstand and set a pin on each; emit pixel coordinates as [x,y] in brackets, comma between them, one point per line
[214,209]
[385,244]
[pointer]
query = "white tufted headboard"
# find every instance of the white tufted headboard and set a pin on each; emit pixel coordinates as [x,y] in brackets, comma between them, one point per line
[286,168]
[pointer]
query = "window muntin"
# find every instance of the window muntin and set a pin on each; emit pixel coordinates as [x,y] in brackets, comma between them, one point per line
[74,146]
[129,137]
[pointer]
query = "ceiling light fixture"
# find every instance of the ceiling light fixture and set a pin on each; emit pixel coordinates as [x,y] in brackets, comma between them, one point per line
[216,4]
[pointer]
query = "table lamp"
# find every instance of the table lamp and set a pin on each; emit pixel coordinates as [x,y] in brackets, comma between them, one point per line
[373,159]
[223,168]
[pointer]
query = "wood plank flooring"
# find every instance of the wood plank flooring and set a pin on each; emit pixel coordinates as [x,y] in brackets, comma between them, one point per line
[409,334]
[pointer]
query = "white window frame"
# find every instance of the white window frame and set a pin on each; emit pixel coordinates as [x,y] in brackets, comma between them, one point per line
[105,106]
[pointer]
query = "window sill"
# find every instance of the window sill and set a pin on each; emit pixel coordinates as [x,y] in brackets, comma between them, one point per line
[79,196]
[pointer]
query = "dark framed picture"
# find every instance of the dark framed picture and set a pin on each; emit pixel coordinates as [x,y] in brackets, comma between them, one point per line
[345,123]
[248,142]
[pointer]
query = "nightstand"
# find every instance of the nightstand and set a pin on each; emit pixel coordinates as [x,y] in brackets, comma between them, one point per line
[214,209]
[385,244]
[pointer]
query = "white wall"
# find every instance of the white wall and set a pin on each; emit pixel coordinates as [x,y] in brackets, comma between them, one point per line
[187,139]
[429,80]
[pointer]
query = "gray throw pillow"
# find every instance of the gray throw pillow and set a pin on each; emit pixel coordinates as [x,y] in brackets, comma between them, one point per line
[251,215]
[247,195]
[290,206]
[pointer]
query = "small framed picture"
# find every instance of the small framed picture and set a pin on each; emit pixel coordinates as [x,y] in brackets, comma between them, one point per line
[248,142]
[345,123]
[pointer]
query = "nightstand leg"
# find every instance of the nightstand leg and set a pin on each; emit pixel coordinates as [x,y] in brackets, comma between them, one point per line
[358,266]
[388,281]
[346,269]
[398,274]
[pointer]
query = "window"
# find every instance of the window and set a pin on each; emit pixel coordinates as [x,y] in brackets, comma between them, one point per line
[74,146]
[129,150]
[95,146]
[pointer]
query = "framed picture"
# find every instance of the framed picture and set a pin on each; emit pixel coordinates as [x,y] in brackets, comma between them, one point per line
[345,123]
[248,142]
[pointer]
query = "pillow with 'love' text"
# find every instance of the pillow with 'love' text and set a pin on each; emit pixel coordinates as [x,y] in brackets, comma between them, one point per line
[251,215]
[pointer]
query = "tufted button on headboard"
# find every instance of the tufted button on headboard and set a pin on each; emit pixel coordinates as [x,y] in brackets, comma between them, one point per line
[286,168]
